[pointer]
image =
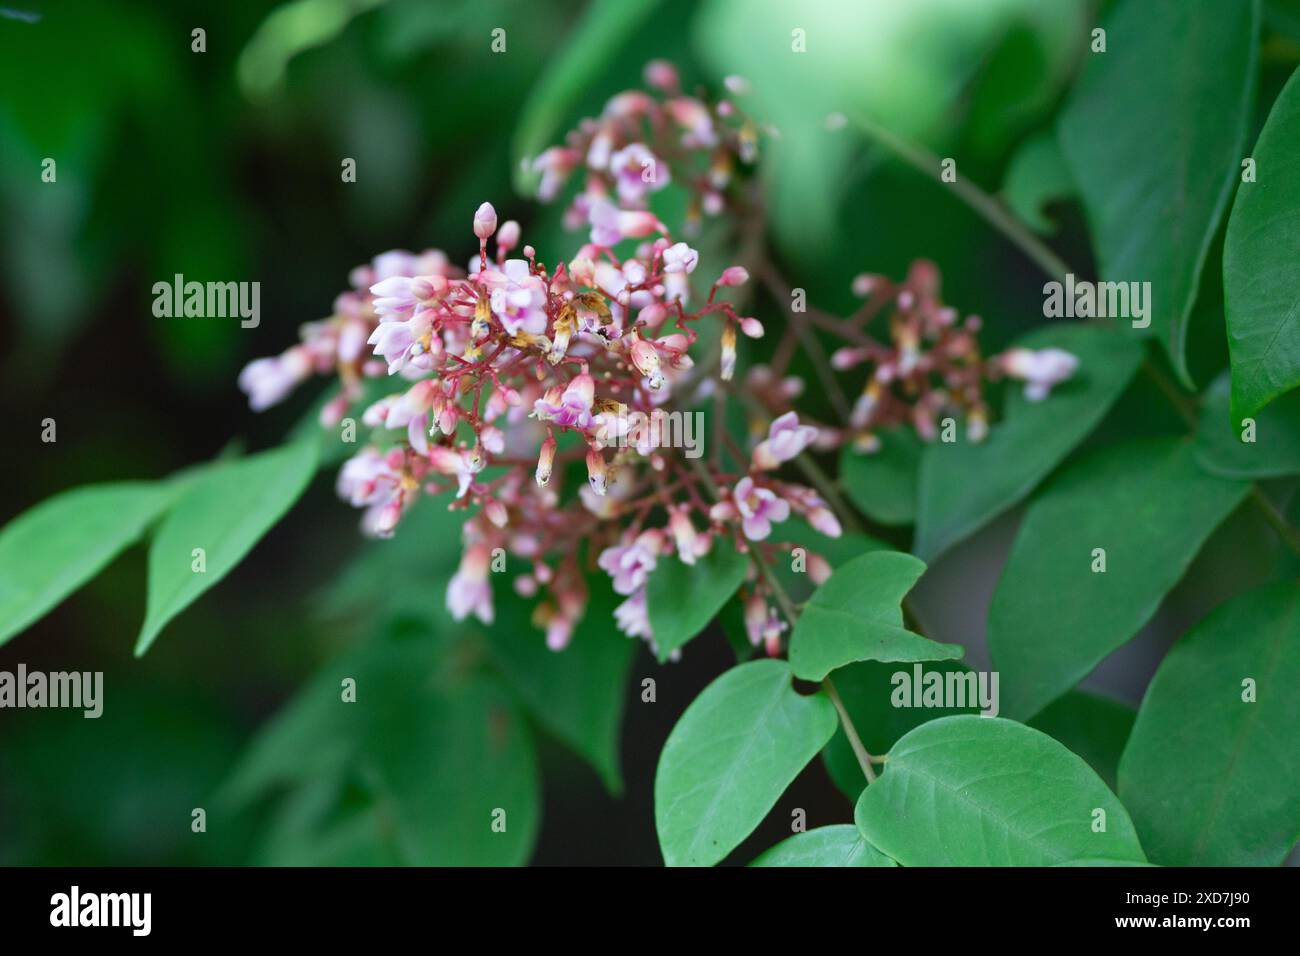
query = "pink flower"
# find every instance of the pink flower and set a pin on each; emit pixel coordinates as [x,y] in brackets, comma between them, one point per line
[758,508]
[610,225]
[374,481]
[1040,370]
[268,381]
[786,439]
[733,276]
[680,257]
[572,408]
[630,564]
[463,465]
[633,616]
[554,165]
[518,299]
[401,343]
[367,477]
[693,116]
[468,592]
[637,171]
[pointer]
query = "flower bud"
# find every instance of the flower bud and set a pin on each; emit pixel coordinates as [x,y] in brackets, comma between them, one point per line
[485,221]
[679,523]
[496,512]
[728,351]
[544,461]
[734,276]
[596,475]
[508,237]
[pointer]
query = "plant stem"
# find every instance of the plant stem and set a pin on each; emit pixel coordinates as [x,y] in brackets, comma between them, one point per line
[859,751]
[993,212]
[792,615]
[1290,537]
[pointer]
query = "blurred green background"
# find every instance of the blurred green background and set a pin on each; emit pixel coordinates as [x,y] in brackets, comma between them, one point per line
[225,165]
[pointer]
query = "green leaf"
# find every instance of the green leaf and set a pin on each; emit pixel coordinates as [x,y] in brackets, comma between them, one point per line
[435,751]
[1037,176]
[683,598]
[1275,450]
[454,763]
[1261,284]
[977,791]
[965,485]
[50,550]
[577,693]
[837,551]
[856,616]
[883,484]
[1053,618]
[606,26]
[731,756]
[867,691]
[225,511]
[839,845]
[1095,728]
[1212,774]
[1154,141]
[399,578]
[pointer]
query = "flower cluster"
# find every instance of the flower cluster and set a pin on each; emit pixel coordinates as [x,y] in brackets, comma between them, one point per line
[929,367]
[641,144]
[521,385]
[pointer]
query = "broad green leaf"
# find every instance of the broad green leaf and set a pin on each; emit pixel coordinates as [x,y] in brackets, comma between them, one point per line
[1273,448]
[599,37]
[1108,863]
[838,845]
[453,763]
[872,693]
[683,598]
[1261,284]
[435,751]
[50,550]
[965,485]
[1211,772]
[977,791]
[883,484]
[1037,176]
[1095,728]
[731,756]
[290,29]
[402,577]
[577,693]
[793,534]
[225,511]
[1154,140]
[323,822]
[857,616]
[1149,507]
